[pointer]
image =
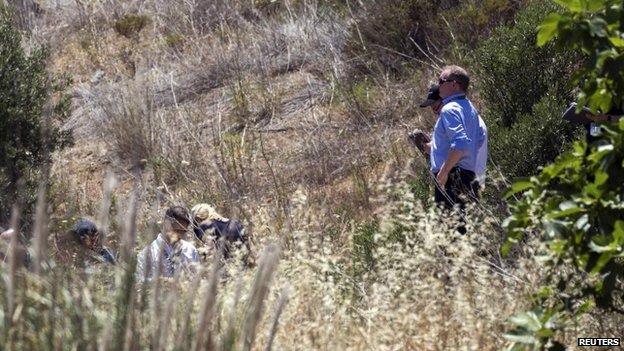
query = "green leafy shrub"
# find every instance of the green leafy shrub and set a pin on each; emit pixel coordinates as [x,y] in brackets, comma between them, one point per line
[30,106]
[363,242]
[524,89]
[513,74]
[131,25]
[574,207]
[535,139]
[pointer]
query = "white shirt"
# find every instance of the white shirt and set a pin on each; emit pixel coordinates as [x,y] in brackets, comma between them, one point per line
[175,259]
[481,160]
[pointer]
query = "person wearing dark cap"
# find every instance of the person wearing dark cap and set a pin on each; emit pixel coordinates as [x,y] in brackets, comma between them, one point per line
[89,237]
[433,99]
[82,246]
[421,139]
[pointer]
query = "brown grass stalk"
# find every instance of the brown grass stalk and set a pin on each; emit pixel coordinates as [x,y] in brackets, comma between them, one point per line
[204,338]
[129,233]
[156,299]
[40,231]
[104,214]
[281,304]
[259,292]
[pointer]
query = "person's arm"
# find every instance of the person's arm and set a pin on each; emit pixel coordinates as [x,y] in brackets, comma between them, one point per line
[427,148]
[421,140]
[597,118]
[453,157]
[604,118]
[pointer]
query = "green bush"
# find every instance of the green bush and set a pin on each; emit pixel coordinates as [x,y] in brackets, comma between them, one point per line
[363,247]
[27,96]
[421,184]
[573,209]
[524,89]
[391,36]
[535,139]
[513,74]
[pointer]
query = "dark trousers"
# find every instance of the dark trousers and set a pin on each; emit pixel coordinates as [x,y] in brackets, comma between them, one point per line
[461,187]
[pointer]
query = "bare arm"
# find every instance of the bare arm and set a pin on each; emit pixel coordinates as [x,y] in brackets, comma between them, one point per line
[453,157]
[598,118]
[604,118]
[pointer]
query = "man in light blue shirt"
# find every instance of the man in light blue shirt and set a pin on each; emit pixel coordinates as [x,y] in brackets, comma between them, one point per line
[457,137]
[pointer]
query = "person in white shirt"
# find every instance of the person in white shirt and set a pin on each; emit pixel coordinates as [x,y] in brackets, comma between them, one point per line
[178,255]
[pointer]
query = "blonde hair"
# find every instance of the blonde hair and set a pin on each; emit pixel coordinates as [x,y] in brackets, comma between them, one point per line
[202,212]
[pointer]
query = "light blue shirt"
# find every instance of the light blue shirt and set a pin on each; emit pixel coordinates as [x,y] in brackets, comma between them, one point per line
[457,128]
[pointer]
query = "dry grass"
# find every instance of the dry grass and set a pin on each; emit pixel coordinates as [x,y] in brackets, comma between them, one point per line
[252,107]
[250,104]
[424,288]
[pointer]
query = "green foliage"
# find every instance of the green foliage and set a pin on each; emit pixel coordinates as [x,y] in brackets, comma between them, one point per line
[524,88]
[533,330]
[421,184]
[131,25]
[392,36]
[576,204]
[541,133]
[513,74]
[594,28]
[30,102]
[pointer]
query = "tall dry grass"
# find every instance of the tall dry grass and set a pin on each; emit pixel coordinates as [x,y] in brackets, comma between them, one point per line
[424,288]
[254,110]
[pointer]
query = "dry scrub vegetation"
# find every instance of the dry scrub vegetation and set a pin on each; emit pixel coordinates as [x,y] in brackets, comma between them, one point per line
[265,109]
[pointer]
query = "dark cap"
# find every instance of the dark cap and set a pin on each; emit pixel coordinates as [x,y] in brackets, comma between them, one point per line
[432,96]
[179,214]
[85,227]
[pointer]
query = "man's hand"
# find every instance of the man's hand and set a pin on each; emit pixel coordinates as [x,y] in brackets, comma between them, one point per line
[442,178]
[420,139]
[452,159]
